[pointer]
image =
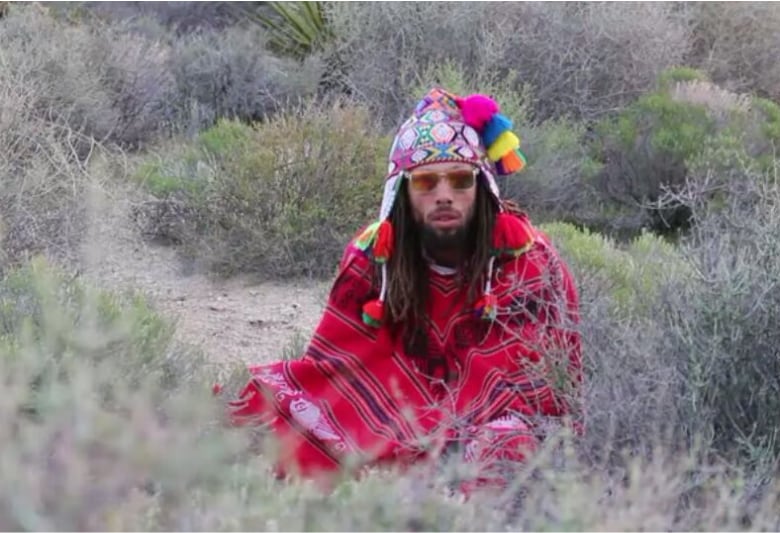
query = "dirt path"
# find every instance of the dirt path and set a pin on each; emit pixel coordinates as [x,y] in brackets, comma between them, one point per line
[234,319]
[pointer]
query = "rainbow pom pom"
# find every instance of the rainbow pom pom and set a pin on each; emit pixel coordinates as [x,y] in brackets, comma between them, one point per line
[486,308]
[383,242]
[482,113]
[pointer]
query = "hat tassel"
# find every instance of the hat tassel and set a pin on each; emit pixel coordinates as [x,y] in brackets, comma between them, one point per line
[373,310]
[486,306]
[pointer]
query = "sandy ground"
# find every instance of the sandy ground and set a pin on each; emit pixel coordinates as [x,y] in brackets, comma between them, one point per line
[230,319]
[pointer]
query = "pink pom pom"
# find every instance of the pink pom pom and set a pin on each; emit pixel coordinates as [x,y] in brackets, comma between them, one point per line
[477,110]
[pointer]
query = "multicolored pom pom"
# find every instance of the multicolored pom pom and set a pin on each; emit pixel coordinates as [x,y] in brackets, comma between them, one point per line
[512,162]
[486,307]
[494,128]
[482,113]
[366,237]
[383,242]
[373,313]
[505,144]
[477,110]
[511,236]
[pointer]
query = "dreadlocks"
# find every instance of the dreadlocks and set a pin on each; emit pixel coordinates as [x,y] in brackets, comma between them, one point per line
[408,270]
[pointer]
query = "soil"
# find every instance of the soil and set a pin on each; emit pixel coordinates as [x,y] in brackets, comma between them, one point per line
[233,319]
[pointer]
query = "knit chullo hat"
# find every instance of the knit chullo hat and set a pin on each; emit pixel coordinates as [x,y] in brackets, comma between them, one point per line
[443,128]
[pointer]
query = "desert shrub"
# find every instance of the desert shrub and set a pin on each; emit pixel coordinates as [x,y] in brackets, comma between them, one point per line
[580,59]
[385,47]
[279,198]
[42,179]
[228,74]
[120,431]
[104,420]
[103,81]
[722,322]
[106,82]
[178,17]
[680,340]
[736,45]
[632,383]
[557,184]
[129,82]
[653,145]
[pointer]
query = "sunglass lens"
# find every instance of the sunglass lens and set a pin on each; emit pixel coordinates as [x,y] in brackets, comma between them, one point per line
[461,179]
[424,181]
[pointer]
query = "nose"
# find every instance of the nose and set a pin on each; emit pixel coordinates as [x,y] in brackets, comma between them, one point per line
[444,192]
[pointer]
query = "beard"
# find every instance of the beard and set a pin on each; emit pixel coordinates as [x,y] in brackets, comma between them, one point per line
[437,241]
[447,246]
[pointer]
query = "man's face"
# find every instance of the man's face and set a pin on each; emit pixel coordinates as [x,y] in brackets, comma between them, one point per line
[442,196]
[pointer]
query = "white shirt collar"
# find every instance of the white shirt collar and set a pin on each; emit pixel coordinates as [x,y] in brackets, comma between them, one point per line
[439,269]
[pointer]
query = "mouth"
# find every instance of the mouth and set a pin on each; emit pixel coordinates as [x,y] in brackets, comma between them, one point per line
[445,219]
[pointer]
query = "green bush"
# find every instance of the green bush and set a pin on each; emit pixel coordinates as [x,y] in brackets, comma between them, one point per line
[61,319]
[654,145]
[281,198]
[629,275]
[557,184]
[670,77]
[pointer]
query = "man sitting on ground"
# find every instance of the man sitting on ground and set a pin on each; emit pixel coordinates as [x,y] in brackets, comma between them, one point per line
[452,319]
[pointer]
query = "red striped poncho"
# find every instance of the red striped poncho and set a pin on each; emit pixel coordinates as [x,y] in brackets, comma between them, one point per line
[365,396]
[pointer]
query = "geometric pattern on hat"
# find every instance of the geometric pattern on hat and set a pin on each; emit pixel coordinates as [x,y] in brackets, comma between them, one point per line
[438,131]
[435,132]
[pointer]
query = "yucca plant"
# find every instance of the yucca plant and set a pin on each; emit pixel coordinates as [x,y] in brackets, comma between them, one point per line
[297,28]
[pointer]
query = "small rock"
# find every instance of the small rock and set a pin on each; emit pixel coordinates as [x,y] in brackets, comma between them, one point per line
[213,307]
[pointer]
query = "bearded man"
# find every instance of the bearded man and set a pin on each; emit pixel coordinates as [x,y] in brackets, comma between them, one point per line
[451,323]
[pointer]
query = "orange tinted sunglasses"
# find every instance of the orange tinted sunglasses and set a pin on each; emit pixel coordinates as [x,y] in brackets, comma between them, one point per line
[424,180]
